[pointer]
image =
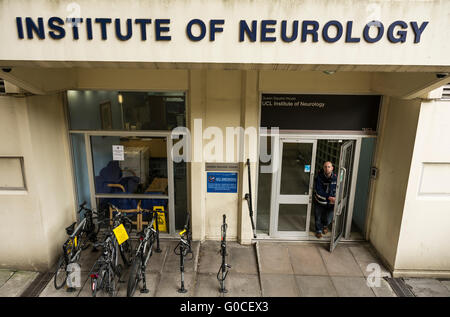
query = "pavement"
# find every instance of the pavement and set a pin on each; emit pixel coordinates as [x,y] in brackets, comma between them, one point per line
[264,269]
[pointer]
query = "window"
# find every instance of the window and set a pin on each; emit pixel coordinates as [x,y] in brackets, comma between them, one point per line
[12,175]
[126,111]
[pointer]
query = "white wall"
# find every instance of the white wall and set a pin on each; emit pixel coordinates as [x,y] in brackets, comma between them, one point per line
[424,234]
[216,99]
[432,50]
[393,159]
[33,221]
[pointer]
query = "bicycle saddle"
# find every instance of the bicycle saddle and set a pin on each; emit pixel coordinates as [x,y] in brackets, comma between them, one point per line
[71,228]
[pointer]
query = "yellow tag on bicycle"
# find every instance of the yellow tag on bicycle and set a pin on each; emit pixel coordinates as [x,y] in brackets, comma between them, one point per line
[121,234]
[75,240]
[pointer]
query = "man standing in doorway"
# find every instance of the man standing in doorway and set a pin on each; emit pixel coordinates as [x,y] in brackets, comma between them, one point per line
[325,196]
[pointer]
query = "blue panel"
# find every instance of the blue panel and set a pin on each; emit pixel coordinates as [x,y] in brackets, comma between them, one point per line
[80,167]
[219,182]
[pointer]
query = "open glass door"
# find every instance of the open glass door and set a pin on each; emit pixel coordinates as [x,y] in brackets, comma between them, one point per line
[292,188]
[344,171]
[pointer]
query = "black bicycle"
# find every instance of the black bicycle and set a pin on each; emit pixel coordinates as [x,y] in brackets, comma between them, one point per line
[107,267]
[79,238]
[223,270]
[126,250]
[182,249]
[143,253]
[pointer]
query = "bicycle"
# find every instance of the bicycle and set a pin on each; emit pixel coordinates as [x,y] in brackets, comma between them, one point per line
[107,266]
[223,251]
[184,247]
[126,250]
[78,240]
[143,253]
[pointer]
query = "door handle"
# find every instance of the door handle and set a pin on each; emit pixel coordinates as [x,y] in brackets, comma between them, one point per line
[341,187]
[343,181]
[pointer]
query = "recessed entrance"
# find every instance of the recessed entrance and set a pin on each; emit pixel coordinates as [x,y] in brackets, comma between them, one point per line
[286,206]
[309,130]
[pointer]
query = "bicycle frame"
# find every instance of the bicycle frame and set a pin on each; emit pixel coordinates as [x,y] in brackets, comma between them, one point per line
[223,270]
[75,243]
[107,264]
[109,260]
[119,219]
[185,248]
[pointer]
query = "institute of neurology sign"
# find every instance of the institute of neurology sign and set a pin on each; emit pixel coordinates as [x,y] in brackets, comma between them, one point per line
[308,32]
[159,29]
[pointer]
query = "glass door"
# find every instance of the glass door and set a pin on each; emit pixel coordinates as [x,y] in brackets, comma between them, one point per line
[292,188]
[342,192]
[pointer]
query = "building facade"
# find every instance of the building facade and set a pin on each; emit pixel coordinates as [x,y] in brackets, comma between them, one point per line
[190,104]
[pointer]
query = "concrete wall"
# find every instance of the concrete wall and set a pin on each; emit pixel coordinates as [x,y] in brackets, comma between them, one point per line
[223,109]
[221,99]
[393,159]
[32,221]
[424,234]
[226,48]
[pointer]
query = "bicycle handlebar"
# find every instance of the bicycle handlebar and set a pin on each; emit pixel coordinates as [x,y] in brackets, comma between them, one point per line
[82,207]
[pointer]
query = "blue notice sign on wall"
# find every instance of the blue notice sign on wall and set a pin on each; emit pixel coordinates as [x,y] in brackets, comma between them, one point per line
[219,182]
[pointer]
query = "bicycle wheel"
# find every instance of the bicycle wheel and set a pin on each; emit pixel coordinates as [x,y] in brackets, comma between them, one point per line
[111,282]
[60,273]
[84,241]
[126,252]
[135,276]
[97,281]
[94,286]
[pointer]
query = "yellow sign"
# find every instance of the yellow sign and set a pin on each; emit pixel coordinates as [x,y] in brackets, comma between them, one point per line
[161,217]
[75,241]
[121,234]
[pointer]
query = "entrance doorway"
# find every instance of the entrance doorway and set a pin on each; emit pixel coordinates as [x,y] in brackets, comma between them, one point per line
[285,204]
[292,188]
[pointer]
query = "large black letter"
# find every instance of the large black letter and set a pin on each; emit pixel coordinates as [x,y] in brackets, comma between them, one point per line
[61,32]
[294,35]
[251,33]
[103,22]
[313,32]
[129,30]
[418,30]
[143,23]
[38,29]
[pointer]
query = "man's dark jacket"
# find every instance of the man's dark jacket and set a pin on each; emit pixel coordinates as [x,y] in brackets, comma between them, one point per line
[325,187]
